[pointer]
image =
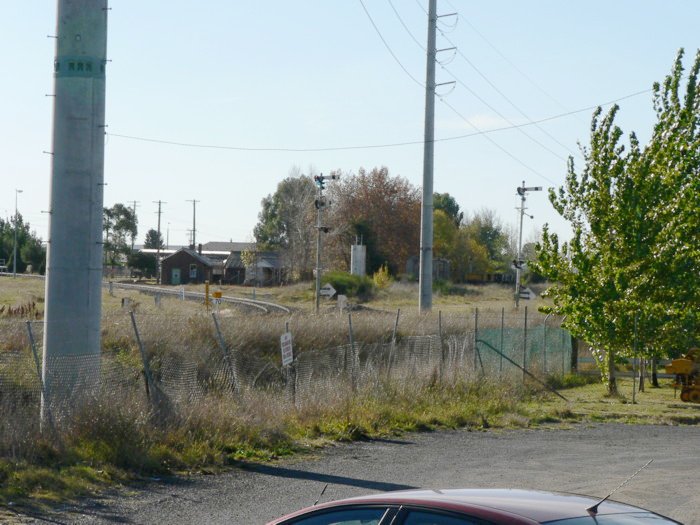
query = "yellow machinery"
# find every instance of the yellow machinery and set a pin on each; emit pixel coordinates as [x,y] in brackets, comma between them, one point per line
[687,372]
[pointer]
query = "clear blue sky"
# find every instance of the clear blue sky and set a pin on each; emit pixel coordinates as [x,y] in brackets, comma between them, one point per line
[315,74]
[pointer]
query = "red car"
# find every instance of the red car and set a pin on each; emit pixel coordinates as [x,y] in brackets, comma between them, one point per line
[472,506]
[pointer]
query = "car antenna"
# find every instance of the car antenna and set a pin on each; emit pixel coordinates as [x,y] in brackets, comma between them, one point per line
[320,495]
[593,510]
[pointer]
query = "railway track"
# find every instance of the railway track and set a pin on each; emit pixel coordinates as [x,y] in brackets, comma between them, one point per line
[264,306]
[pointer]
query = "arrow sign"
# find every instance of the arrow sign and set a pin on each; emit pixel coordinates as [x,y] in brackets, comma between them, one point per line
[526,293]
[327,290]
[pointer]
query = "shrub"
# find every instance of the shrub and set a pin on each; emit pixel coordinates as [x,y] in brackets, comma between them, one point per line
[560,382]
[350,285]
[381,277]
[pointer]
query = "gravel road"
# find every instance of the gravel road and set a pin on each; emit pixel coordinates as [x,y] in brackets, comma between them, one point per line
[588,459]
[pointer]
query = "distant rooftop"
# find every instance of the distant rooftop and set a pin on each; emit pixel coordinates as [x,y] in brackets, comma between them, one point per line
[218,246]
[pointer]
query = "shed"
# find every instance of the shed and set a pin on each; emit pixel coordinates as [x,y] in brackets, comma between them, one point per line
[186,266]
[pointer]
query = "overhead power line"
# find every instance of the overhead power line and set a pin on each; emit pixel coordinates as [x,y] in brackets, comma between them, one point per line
[504,150]
[389,48]
[514,66]
[374,146]
[506,98]
[476,95]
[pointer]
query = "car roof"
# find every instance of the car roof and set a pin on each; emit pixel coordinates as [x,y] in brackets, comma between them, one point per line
[539,506]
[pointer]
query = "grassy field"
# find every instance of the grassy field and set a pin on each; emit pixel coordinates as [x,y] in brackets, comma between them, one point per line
[111,442]
[18,291]
[105,447]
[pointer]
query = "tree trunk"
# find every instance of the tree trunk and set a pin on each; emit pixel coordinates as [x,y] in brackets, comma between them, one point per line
[642,373]
[612,379]
[654,372]
[574,354]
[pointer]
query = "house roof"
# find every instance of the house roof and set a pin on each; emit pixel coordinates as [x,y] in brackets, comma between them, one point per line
[192,253]
[217,246]
[265,260]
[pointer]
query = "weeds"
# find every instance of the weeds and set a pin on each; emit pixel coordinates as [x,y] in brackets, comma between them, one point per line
[208,425]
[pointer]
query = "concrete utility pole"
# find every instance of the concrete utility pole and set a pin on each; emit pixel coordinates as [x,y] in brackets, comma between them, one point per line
[518,263]
[321,203]
[425,280]
[135,220]
[194,223]
[159,212]
[74,258]
[14,249]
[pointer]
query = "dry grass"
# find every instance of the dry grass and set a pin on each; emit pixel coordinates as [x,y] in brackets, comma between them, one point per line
[118,435]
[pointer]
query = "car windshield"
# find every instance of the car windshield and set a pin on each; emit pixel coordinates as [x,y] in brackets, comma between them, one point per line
[635,518]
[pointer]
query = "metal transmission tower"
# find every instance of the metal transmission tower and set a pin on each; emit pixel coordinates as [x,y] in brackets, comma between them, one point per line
[74,261]
[194,223]
[321,203]
[518,263]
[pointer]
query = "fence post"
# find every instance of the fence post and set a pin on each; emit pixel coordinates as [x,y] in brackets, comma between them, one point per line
[634,362]
[396,327]
[45,414]
[353,357]
[227,355]
[476,335]
[144,359]
[442,349]
[291,374]
[393,343]
[503,320]
[525,345]
[544,342]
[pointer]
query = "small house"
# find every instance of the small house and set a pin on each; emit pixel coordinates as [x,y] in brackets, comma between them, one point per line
[187,266]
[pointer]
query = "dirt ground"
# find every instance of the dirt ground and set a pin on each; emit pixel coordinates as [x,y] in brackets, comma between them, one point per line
[586,459]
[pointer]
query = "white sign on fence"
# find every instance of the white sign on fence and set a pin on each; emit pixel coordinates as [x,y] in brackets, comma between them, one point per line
[286,345]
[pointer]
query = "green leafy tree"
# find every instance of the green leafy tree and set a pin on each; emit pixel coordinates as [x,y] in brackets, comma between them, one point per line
[444,234]
[670,226]
[143,262]
[448,204]
[486,229]
[32,253]
[287,223]
[119,224]
[29,247]
[154,240]
[469,258]
[628,278]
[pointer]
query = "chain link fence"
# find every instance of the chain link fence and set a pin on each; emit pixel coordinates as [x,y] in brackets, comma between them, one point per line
[176,360]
